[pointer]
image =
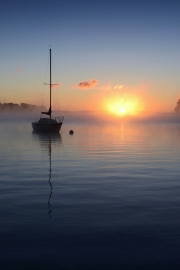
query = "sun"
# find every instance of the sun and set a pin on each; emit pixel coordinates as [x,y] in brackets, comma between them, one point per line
[123,106]
[122,110]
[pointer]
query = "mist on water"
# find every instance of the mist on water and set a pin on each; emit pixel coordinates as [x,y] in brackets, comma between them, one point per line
[84,117]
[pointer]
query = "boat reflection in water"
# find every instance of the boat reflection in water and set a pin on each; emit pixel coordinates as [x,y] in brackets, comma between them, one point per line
[46,141]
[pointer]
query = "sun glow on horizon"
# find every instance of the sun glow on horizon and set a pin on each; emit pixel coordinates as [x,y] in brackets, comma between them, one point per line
[123,106]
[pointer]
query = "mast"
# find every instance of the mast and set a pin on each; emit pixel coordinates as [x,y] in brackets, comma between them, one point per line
[50,83]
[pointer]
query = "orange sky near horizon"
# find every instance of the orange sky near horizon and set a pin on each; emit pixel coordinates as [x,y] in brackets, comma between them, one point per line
[94,95]
[105,98]
[123,101]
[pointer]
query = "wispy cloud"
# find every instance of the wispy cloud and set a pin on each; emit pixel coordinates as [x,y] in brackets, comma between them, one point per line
[17,70]
[93,83]
[118,86]
[86,85]
[105,87]
[109,87]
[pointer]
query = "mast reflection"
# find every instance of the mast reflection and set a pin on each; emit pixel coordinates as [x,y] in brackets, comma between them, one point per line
[46,140]
[50,184]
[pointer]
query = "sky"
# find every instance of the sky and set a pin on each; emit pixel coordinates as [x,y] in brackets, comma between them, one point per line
[112,56]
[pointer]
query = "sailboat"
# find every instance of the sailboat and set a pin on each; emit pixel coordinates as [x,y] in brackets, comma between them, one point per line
[45,124]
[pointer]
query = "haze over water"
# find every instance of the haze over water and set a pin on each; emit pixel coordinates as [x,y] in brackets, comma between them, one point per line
[105,198]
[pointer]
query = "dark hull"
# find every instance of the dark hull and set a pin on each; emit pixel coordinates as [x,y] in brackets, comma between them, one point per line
[45,127]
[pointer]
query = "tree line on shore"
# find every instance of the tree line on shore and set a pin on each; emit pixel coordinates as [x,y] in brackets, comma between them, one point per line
[177,108]
[23,107]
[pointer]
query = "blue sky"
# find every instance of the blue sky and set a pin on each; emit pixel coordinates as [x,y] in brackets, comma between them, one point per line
[130,43]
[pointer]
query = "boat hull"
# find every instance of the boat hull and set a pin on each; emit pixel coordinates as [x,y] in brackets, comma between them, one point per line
[47,127]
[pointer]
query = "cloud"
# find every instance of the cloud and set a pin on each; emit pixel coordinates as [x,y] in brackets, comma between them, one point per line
[92,84]
[106,87]
[86,85]
[109,87]
[118,86]
[17,70]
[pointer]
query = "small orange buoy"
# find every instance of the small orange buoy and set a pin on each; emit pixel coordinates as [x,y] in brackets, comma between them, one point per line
[71,132]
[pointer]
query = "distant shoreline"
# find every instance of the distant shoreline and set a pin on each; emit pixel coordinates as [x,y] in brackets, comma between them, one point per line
[23,107]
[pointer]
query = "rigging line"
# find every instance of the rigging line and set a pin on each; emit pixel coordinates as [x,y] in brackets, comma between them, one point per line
[42,101]
[55,75]
[57,99]
[53,67]
[47,65]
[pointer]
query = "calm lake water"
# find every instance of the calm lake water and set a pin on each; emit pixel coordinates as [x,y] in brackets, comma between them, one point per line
[107,197]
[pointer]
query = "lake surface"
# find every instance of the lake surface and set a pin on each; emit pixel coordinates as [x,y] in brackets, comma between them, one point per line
[107,197]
